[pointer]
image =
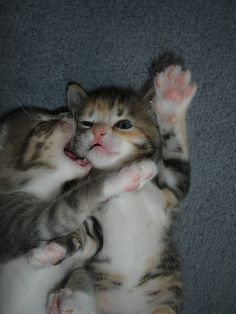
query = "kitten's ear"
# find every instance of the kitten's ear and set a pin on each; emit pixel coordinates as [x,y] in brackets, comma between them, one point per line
[75,95]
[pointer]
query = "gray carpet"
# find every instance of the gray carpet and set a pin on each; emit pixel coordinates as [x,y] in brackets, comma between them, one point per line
[45,44]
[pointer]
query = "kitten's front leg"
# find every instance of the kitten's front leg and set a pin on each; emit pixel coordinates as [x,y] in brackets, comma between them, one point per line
[174,92]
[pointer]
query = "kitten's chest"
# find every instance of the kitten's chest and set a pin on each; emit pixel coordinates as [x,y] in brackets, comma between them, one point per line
[133,227]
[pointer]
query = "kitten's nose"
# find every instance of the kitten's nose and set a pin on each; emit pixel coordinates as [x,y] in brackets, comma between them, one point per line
[99,130]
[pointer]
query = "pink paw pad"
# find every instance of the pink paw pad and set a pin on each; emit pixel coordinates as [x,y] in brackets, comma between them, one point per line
[174,92]
[131,187]
[140,174]
[135,185]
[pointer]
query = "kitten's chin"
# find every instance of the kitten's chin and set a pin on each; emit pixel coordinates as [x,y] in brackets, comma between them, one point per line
[101,160]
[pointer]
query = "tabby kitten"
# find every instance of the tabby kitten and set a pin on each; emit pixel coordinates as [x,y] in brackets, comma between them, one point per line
[137,270]
[35,164]
[33,167]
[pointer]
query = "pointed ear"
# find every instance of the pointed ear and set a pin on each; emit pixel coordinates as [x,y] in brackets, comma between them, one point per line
[75,94]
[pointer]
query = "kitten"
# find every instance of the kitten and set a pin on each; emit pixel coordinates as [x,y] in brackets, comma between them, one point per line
[34,166]
[137,270]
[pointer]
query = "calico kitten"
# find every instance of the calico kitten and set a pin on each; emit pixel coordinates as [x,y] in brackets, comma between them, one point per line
[137,270]
[39,202]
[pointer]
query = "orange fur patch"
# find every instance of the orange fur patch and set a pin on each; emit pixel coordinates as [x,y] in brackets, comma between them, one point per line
[164,310]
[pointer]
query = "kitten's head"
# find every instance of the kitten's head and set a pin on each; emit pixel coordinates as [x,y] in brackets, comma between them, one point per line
[34,142]
[114,126]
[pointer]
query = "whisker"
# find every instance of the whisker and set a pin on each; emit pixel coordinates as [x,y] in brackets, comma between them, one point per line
[28,110]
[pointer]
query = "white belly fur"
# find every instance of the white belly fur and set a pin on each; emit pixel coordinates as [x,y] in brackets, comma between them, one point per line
[133,226]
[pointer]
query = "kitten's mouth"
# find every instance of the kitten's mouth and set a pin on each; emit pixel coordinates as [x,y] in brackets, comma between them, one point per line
[83,162]
[95,145]
[102,149]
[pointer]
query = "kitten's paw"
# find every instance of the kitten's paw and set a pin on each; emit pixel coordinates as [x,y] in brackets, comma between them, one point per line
[47,255]
[67,302]
[131,178]
[174,92]
[137,175]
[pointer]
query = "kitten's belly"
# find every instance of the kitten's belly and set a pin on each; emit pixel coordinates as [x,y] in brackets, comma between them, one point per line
[23,289]
[133,227]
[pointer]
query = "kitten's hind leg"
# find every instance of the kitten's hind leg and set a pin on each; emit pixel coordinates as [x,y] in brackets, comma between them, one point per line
[77,296]
[174,92]
[67,302]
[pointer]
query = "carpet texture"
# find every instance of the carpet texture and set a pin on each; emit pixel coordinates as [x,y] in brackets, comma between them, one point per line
[46,44]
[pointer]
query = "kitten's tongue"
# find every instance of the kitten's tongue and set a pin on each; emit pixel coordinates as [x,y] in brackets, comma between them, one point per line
[82,162]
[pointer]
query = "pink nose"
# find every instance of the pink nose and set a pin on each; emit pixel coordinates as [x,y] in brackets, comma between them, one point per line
[99,130]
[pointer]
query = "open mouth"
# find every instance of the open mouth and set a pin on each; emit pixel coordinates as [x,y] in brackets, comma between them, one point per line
[83,162]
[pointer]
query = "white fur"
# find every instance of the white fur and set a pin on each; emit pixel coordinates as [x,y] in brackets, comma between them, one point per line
[46,181]
[133,226]
[24,289]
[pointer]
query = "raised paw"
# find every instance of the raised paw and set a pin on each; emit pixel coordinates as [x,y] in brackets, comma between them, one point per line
[138,175]
[131,178]
[67,302]
[47,255]
[174,92]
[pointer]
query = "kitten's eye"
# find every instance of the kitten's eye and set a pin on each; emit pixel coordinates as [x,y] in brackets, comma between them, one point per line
[87,124]
[123,124]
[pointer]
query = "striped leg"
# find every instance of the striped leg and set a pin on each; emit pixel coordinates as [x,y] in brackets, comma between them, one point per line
[174,92]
